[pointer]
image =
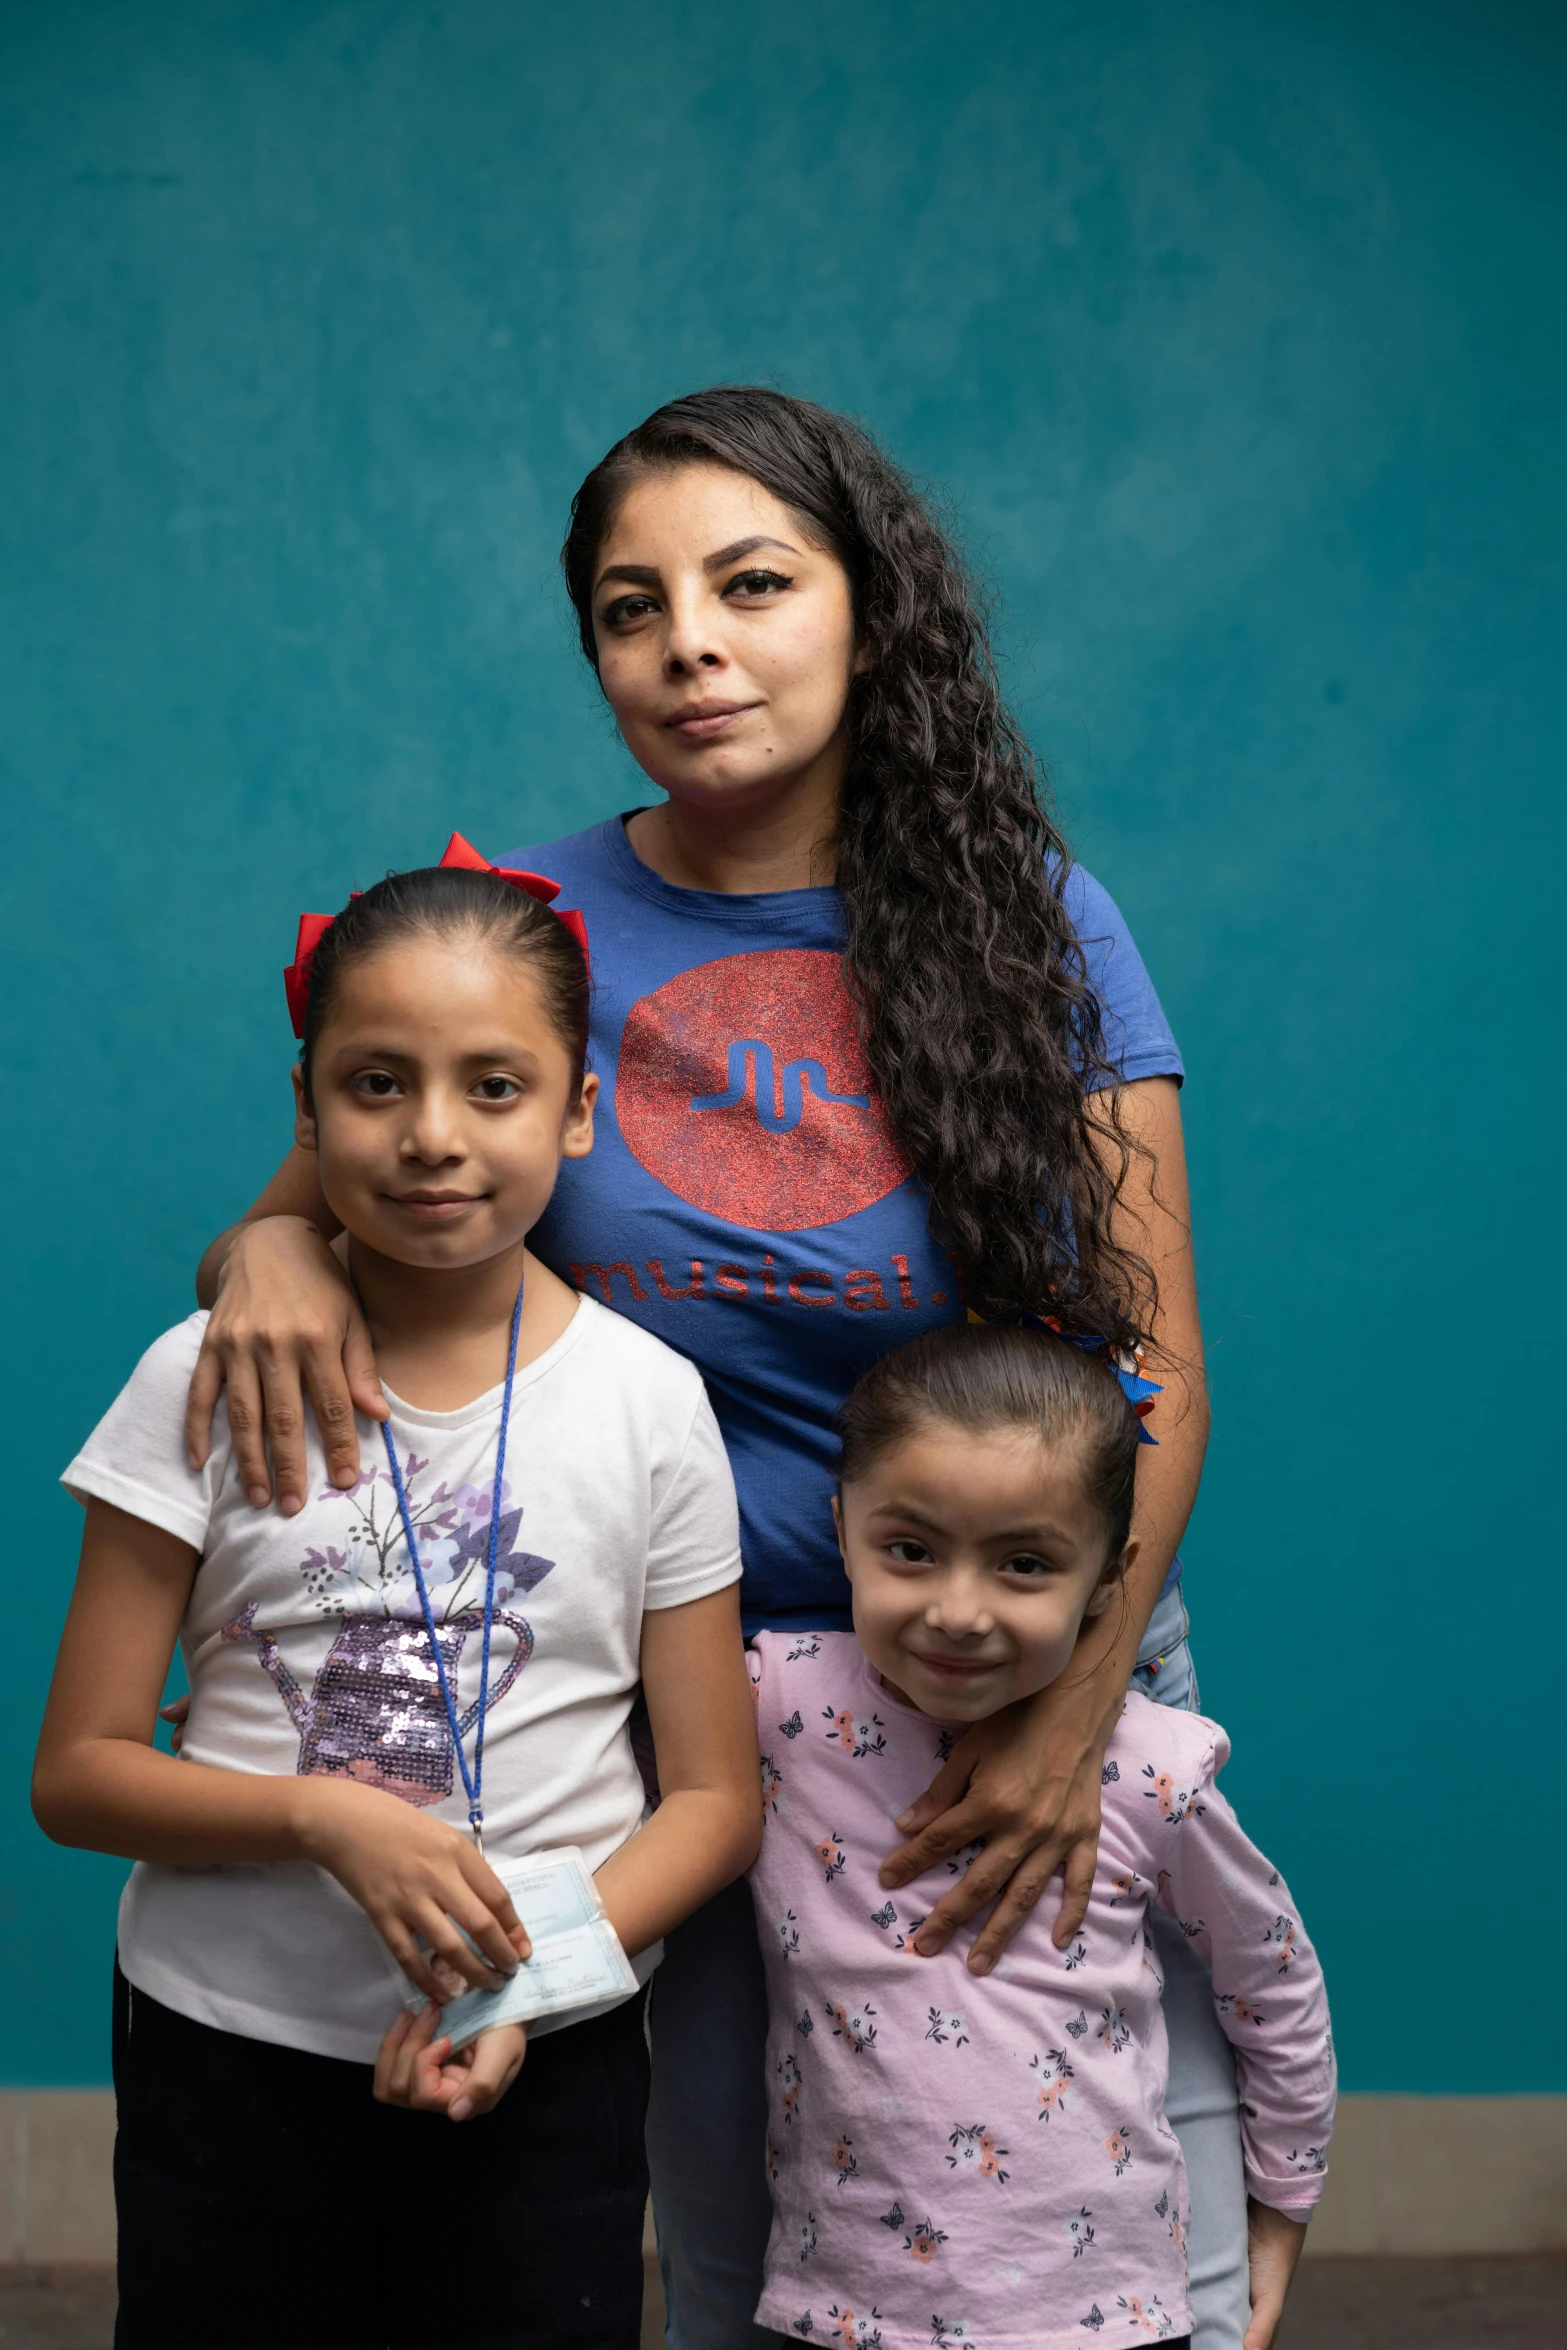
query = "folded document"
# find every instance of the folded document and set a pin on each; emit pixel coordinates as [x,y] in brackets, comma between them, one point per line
[577,1960]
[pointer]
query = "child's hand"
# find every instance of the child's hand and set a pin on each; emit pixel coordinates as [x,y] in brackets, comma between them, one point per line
[1274,2243]
[415,2067]
[414,1876]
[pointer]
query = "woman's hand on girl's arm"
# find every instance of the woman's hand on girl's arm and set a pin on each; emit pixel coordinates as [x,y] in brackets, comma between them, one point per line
[99,1782]
[1025,1784]
[1027,1781]
[415,2067]
[285,1323]
[708,1826]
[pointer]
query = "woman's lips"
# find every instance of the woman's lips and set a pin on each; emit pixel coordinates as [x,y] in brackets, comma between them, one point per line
[705,724]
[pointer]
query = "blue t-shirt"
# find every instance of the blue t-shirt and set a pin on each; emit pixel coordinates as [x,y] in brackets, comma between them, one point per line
[745,1198]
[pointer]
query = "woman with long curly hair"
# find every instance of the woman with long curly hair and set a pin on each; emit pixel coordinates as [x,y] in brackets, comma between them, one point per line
[875,1053]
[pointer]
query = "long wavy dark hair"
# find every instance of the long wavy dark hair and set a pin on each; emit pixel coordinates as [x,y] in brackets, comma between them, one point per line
[983,1032]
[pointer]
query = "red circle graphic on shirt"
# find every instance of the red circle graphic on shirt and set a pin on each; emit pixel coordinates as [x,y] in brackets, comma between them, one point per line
[743,1087]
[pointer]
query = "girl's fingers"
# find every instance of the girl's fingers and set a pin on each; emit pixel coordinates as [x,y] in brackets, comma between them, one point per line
[486,1929]
[424,2044]
[449,1946]
[412,2042]
[450,1963]
[176,1714]
[429,2077]
[496,2060]
[405,1949]
[1266,2309]
[423,2073]
[386,2055]
[1274,2244]
[497,1906]
[324,1374]
[248,1430]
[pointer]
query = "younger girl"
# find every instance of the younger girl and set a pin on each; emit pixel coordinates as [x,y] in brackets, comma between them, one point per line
[987,2161]
[564,1479]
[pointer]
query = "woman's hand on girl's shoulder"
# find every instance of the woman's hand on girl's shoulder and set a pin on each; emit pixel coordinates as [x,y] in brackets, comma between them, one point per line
[1023,1785]
[414,2066]
[285,1325]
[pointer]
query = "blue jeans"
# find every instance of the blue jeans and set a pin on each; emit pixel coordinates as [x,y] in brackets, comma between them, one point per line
[707,2116]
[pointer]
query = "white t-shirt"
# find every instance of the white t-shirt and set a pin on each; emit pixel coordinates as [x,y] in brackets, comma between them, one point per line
[306,1649]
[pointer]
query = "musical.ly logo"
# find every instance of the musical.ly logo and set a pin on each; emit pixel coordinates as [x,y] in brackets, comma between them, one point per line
[743,1087]
[752,1058]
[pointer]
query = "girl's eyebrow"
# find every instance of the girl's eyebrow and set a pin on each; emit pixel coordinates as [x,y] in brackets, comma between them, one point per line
[903,1509]
[486,1056]
[1036,1536]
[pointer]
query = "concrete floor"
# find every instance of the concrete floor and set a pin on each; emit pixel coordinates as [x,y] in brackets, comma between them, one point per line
[1337,2304]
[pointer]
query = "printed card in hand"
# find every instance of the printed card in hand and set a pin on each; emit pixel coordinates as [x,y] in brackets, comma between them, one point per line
[577,1960]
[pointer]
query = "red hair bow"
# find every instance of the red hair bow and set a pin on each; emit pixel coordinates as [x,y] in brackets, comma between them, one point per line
[313,927]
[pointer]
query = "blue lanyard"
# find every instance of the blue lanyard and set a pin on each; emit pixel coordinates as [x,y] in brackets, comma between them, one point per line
[472,1780]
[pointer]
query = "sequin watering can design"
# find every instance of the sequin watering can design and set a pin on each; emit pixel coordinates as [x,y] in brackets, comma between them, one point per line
[375,1712]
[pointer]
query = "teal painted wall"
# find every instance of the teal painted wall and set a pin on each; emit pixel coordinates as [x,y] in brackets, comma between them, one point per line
[1234,337]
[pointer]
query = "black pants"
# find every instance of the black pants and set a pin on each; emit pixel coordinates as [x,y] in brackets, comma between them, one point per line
[265,2198]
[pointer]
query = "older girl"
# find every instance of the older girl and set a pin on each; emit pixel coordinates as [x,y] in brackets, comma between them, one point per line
[551,1482]
[872,1048]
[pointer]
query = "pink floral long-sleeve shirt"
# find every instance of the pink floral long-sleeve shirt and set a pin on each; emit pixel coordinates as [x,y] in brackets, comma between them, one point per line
[985,2161]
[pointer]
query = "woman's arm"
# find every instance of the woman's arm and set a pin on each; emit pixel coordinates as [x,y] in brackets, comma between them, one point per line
[708,1826]
[295,1190]
[1027,1781]
[285,1323]
[98,1781]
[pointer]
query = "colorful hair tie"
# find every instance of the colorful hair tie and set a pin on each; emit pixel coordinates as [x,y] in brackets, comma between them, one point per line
[1138,1391]
[296,979]
[458,853]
